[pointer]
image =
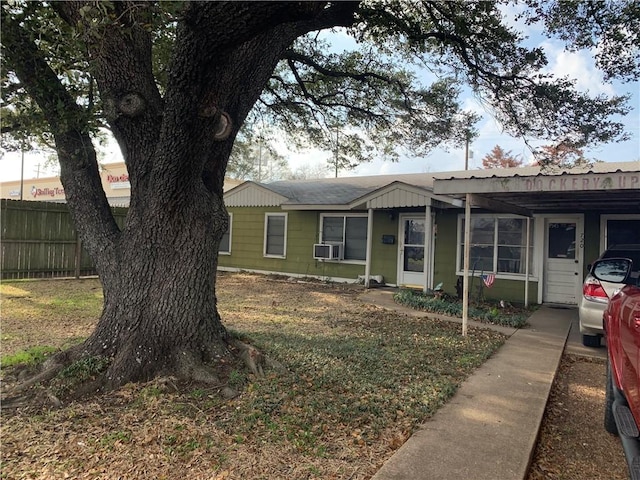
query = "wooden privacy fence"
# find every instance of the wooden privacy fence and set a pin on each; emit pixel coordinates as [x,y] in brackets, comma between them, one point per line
[39,241]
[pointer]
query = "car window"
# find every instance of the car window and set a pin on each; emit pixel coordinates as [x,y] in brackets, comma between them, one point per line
[634,255]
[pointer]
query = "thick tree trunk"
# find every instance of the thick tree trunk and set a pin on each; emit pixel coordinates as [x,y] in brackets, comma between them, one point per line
[160,310]
[158,274]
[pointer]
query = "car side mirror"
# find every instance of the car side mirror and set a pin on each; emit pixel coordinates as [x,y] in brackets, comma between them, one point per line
[614,270]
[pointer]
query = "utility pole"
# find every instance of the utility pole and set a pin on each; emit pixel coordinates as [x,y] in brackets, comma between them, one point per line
[466,151]
[260,158]
[22,173]
[337,150]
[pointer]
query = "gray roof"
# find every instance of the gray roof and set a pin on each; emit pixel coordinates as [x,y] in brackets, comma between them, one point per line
[347,192]
[342,191]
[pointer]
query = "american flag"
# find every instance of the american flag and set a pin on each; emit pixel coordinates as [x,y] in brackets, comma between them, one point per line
[488,279]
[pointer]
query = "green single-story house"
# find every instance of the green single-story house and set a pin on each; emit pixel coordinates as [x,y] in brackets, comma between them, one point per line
[535,231]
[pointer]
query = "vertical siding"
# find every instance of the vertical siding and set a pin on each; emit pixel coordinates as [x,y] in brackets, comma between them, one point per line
[384,258]
[445,251]
[39,240]
[302,233]
[591,247]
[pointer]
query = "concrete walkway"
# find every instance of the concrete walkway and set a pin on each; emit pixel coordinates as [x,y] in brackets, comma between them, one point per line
[489,429]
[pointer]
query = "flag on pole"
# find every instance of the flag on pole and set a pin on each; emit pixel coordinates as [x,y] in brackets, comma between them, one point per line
[488,279]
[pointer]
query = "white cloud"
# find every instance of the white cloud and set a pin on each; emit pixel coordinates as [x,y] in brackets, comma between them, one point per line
[579,66]
[510,13]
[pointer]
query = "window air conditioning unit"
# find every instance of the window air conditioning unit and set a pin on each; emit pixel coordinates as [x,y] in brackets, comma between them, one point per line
[328,251]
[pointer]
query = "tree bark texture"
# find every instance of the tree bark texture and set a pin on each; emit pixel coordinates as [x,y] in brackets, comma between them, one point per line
[158,273]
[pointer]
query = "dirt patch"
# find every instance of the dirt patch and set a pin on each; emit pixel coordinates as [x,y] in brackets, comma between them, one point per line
[573,443]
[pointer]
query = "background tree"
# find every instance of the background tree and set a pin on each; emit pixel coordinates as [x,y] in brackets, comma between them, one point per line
[309,172]
[498,158]
[175,82]
[561,155]
[254,157]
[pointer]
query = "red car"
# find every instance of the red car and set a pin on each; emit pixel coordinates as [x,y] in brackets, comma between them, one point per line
[621,321]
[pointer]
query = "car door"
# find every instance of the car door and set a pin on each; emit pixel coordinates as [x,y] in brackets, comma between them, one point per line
[630,343]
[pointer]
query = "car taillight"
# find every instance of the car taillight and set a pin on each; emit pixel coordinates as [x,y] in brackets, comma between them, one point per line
[592,290]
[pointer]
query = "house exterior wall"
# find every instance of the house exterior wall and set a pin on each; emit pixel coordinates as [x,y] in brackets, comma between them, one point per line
[247,244]
[444,268]
[384,257]
[445,265]
[303,226]
[591,247]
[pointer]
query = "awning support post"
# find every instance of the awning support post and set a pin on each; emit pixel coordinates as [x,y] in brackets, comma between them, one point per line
[467,252]
[526,265]
[367,266]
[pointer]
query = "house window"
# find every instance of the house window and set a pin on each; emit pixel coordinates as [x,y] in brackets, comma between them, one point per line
[498,244]
[225,243]
[275,234]
[351,230]
[623,231]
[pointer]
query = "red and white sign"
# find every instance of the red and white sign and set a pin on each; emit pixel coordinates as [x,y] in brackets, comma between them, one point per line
[119,182]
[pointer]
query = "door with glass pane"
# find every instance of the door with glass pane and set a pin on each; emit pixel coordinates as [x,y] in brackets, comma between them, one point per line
[563,260]
[412,251]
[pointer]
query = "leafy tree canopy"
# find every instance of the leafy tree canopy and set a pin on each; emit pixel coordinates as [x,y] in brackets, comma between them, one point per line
[560,155]
[370,97]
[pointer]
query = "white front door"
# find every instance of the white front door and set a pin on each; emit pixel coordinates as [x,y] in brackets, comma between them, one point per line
[412,271]
[563,260]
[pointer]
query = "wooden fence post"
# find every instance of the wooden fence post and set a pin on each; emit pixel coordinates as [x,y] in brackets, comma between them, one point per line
[78,255]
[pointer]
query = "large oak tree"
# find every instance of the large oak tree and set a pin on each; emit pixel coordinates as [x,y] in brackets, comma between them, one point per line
[175,81]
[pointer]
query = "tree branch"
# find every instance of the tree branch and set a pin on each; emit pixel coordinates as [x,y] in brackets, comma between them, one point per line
[68,122]
[292,56]
[120,51]
[362,77]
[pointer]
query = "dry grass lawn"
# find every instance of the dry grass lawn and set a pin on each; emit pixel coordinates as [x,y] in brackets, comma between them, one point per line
[359,380]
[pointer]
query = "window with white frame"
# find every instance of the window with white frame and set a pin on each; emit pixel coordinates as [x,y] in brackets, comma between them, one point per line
[275,234]
[225,243]
[351,230]
[498,244]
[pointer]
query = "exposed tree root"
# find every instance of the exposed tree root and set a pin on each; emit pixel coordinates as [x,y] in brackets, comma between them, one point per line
[274,364]
[187,367]
[254,360]
[15,402]
[251,356]
[47,374]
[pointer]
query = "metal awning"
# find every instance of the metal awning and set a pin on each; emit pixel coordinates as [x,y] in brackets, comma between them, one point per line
[611,191]
[617,191]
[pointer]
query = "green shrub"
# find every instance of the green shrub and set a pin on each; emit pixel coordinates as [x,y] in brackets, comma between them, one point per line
[85,369]
[487,313]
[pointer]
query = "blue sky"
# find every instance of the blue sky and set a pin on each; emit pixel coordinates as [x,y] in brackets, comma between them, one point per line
[576,65]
